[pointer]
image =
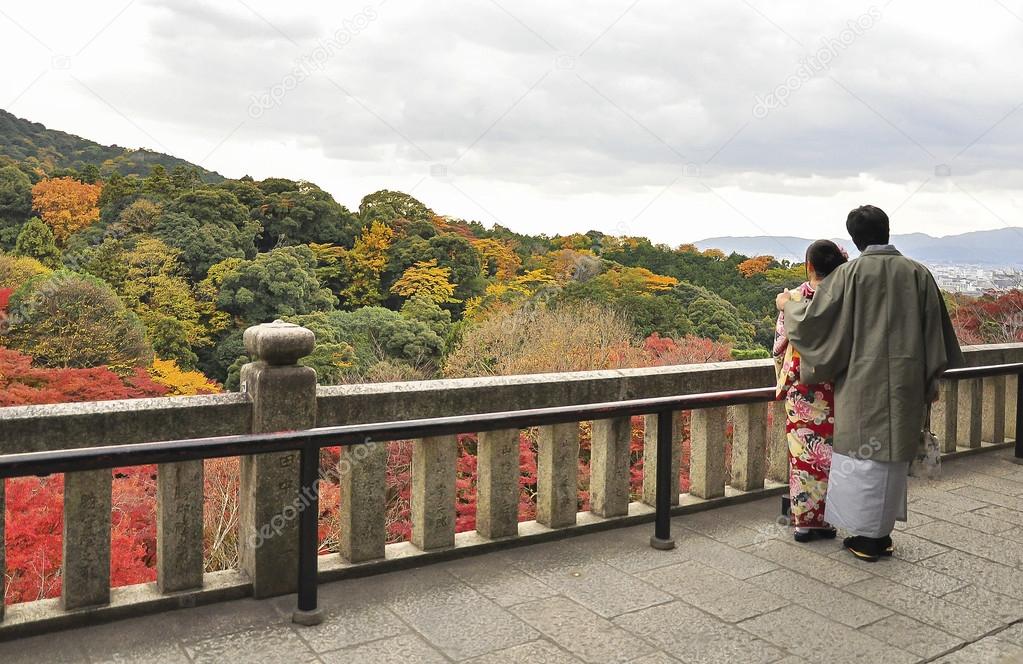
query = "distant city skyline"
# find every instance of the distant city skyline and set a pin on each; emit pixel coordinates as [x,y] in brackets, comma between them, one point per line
[627,117]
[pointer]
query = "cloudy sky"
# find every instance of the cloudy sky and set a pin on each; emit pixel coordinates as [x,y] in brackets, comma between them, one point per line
[678,121]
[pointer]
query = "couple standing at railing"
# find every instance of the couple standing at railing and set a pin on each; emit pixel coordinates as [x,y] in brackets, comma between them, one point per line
[859,350]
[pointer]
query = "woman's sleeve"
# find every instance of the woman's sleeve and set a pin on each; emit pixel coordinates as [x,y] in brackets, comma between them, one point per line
[781,341]
[821,329]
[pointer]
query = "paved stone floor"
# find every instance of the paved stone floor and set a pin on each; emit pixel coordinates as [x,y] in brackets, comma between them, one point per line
[736,589]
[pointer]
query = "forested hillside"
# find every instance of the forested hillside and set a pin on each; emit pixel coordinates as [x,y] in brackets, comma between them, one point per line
[155,277]
[51,150]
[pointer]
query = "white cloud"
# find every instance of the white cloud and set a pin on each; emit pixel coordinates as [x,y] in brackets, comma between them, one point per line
[618,115]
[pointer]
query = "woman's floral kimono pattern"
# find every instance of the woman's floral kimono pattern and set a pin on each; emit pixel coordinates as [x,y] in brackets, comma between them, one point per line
[809,427]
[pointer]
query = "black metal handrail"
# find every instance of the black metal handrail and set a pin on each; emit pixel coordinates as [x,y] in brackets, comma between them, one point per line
[309,443]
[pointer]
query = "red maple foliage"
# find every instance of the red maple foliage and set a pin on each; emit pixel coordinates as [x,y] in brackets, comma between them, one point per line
[34,506]
[995,317]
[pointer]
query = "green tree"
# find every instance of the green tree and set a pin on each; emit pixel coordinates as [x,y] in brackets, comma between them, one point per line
[89,174]
[212,205]
[429,312]
[186,179]
[333,358]
[67,319]
[203,245]
[158,183]
[457,253]
[15,204]
[107,262]
[36,241]
[381,335]
[712,316]
[208,225]
[141,216]
[118,193]
[246,191]
[279,283]
[303,213]
[386,206]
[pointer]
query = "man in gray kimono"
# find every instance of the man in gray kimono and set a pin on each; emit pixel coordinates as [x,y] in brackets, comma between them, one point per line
[879,329]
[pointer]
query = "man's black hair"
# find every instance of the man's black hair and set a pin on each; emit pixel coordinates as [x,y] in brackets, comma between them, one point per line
[868,225]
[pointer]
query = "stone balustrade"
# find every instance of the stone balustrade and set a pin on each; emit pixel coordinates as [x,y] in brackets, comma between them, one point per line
[278,394]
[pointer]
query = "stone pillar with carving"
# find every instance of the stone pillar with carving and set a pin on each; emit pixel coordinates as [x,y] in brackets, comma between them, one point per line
[283,397]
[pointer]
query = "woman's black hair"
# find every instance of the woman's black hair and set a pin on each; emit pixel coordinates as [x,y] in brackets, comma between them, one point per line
[825,256]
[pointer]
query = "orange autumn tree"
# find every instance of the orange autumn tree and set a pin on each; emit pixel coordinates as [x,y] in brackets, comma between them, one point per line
[66,205]
[757,265]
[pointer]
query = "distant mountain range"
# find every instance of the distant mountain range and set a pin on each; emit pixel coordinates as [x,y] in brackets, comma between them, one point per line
[997,248]
[49,149]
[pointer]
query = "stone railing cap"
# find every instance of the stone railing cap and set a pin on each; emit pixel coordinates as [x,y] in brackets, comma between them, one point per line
[279,343]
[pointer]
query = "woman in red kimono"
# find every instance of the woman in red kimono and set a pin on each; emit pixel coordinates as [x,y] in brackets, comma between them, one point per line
[810,422]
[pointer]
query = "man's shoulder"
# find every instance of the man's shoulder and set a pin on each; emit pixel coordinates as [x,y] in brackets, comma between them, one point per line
[895,261]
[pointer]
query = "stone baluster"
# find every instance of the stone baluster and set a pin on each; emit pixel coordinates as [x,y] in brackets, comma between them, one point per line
[970,409]
[650,458]
[749,443]
[497,487]
[85,579]
[434,473]
[945,415]
[609,466]
[1011,395]
[993,410]
[557,475]
[778,445]
[3,568]
[179,526]
[283,399]
[362,475]
[707,458]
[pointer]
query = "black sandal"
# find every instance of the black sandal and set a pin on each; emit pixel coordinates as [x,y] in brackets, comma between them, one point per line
[867,549]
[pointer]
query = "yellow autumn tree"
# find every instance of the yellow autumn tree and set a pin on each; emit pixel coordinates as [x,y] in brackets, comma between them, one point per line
[638,280]
[16,270]
[365,263]
[532,282]
[180,382]
[499,296]
[714,253]
[500,256]
[66,205]
[427,280]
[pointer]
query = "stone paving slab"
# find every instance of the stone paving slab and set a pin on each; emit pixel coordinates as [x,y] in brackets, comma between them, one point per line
[736,589]
[715,592]
[830,642]
[913,636]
